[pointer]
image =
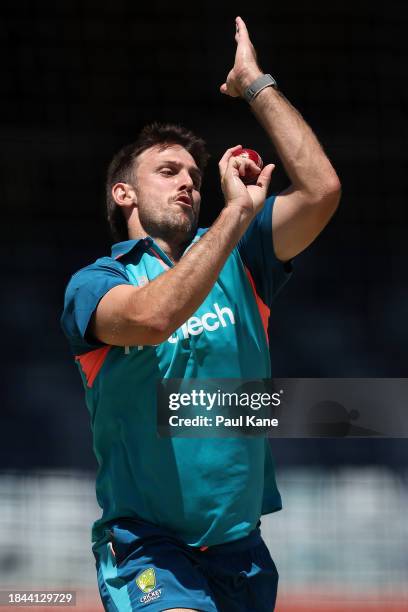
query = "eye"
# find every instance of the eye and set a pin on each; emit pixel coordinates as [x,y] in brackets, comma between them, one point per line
[167,171]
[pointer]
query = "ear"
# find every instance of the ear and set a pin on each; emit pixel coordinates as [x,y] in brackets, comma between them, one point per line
[124,195]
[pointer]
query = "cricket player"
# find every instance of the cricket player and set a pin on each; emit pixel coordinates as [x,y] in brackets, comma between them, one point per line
[180,517]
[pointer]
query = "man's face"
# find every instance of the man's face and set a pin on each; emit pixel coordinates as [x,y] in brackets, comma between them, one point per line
[167,186]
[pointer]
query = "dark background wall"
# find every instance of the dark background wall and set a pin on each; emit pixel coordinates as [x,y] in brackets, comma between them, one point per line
[79,79]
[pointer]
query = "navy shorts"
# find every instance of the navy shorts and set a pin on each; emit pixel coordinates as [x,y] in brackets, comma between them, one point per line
[142,567]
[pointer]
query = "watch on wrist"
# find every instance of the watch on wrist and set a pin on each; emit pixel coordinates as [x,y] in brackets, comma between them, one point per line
[265,80]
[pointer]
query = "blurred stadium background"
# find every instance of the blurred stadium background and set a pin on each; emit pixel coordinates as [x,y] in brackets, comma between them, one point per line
[79,80]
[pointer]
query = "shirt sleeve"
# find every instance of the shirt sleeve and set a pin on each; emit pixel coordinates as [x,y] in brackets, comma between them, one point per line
[258,255]
[84,292]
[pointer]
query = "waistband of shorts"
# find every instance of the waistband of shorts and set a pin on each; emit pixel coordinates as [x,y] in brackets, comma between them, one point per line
[248,541]
[252,539]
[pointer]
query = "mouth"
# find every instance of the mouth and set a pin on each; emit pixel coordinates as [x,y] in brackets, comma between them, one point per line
[184,199]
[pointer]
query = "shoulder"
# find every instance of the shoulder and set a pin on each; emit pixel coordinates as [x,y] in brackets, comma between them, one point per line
[102,266]
[82,296]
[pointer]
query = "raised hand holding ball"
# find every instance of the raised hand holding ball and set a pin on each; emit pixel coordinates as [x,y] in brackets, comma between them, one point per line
[248,171]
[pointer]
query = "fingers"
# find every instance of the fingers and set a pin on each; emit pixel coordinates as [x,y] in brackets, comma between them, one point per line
[264,177]
[241,29]
[248,169]
[243,166]
[223,163]
[240,25]
[245,55]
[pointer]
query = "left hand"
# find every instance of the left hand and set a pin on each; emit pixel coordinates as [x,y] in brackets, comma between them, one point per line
[245,69]
[249,198]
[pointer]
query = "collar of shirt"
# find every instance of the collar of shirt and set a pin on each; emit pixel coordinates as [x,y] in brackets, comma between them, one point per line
[123,248]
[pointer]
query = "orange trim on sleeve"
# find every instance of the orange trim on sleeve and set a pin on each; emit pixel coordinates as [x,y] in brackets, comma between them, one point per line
[264,311]
[92,362]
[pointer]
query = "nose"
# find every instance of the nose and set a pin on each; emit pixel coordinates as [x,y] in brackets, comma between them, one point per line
[186,182]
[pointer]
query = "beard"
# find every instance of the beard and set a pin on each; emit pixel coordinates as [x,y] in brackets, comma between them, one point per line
[174,224]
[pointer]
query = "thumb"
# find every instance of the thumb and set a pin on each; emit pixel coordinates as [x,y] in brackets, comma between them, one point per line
[264,178]
[223,88]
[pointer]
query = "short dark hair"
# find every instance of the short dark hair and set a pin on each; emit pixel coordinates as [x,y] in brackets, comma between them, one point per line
[122,165]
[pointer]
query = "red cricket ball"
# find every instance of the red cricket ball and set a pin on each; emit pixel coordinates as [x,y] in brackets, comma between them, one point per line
[256,158]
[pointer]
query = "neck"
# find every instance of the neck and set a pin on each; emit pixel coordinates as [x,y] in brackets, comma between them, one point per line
[173,250]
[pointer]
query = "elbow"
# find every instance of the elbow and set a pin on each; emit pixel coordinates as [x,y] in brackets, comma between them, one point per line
[151,329]
[334,189]
[330,194]
[159,329]
[164,327]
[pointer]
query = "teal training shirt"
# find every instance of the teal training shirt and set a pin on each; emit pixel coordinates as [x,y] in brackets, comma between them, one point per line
[206,491]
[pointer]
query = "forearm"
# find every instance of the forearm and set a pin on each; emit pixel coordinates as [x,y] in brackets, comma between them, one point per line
[160,307]
[304,160]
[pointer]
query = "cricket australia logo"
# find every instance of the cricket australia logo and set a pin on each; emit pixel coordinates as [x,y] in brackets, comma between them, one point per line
[146,581]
